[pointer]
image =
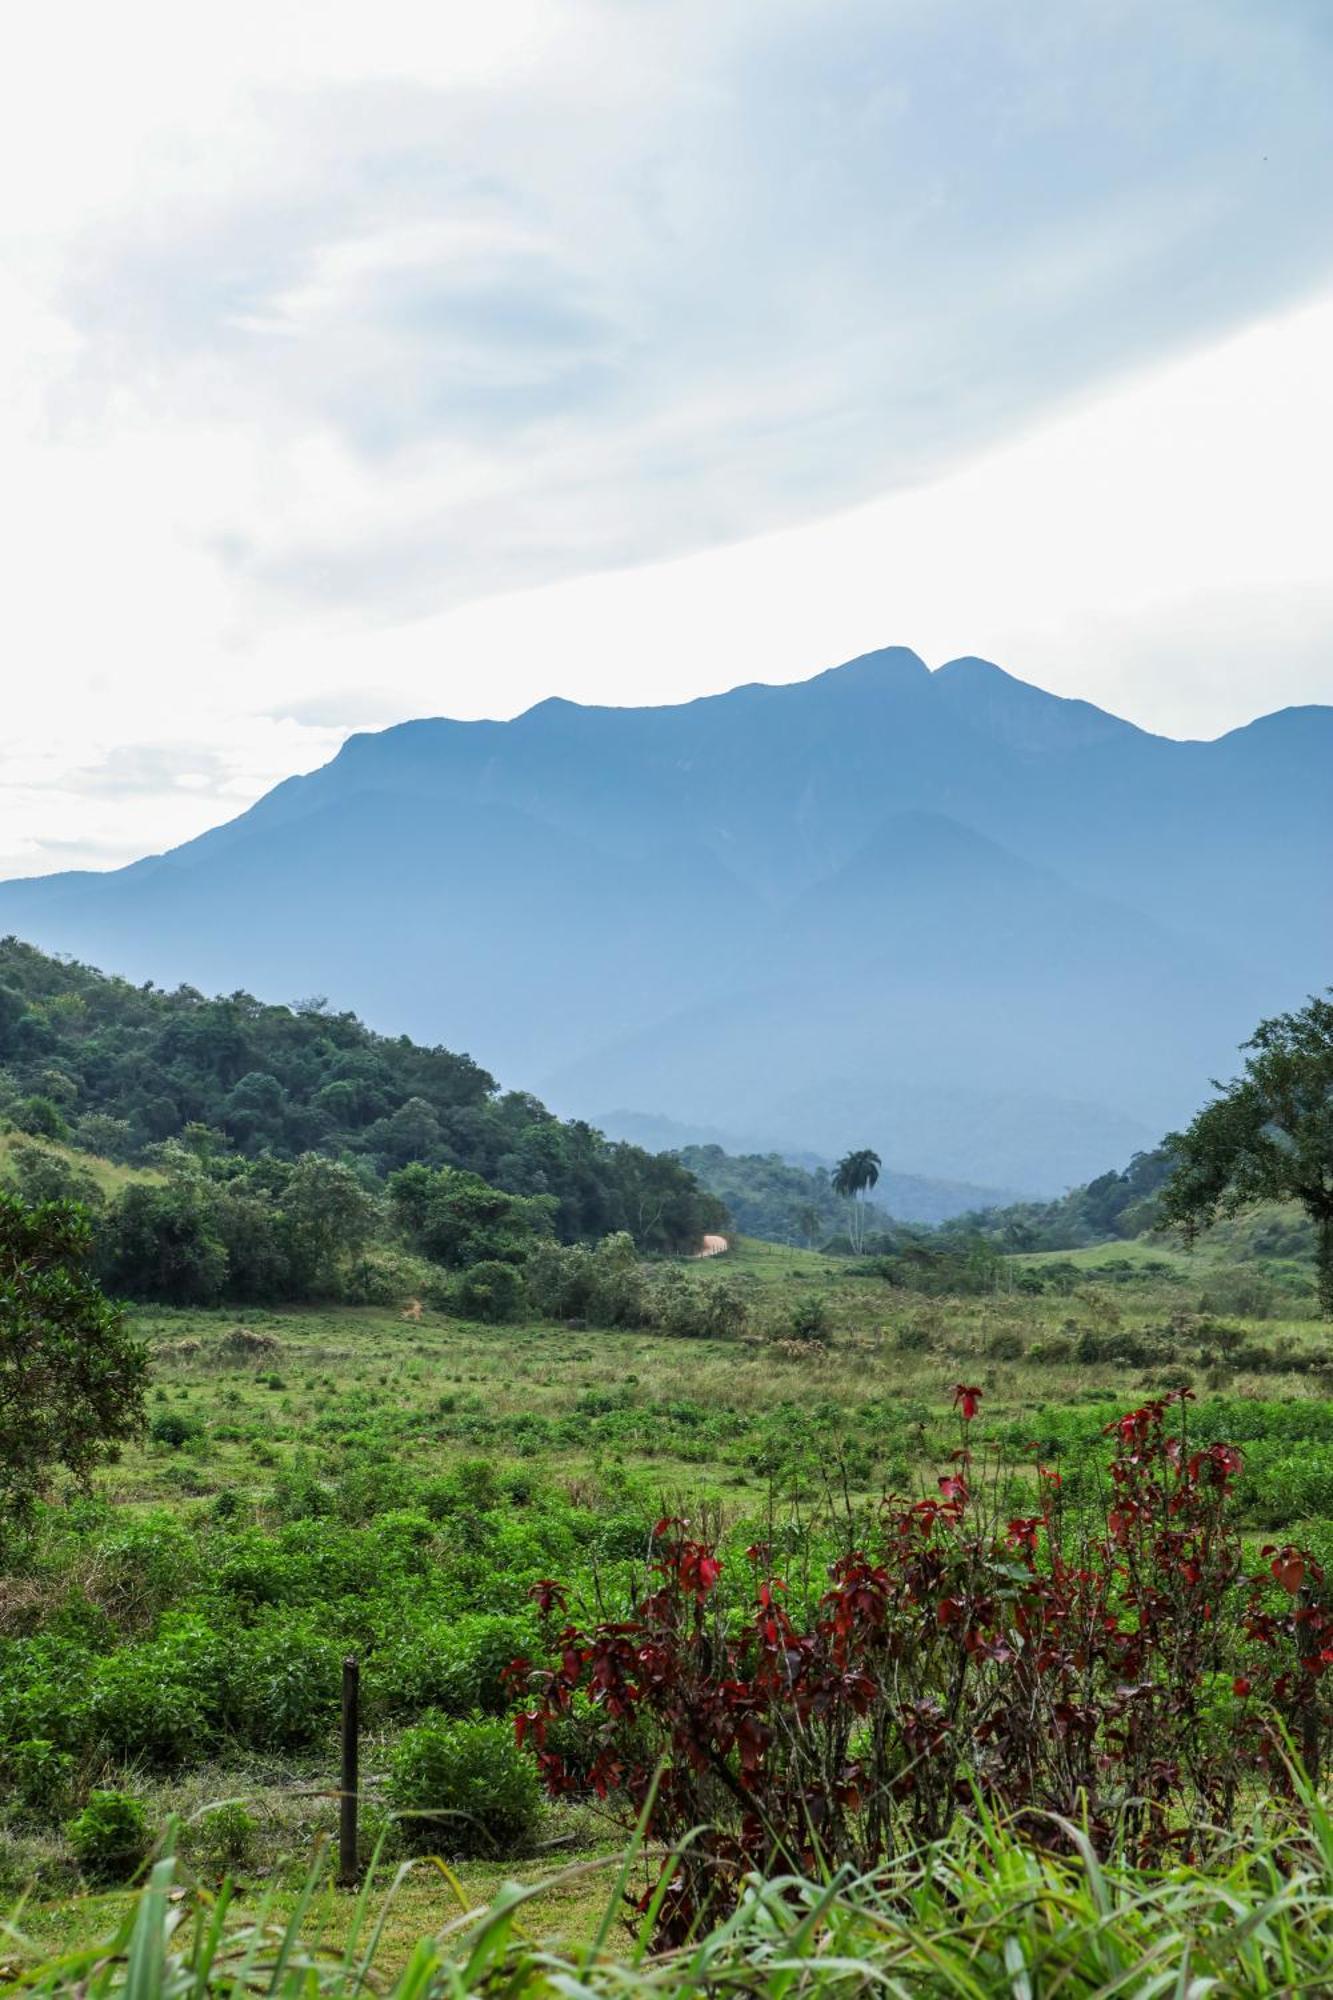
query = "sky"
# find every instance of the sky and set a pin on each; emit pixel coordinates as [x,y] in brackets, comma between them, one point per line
[359,364]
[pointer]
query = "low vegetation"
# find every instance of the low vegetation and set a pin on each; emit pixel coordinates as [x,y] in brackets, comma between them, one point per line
[983,1913]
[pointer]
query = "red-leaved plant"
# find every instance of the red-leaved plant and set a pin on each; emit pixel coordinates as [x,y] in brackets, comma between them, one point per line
[1122,1671]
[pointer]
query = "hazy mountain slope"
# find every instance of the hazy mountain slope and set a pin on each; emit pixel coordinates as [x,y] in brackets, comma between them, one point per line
[900,1197]
[938,988]
[1003,936]
[441,920]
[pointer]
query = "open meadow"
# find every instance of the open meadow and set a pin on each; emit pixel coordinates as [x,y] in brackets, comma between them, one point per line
[320,1482]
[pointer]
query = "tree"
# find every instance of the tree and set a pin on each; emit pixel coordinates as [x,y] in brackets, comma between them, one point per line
[853,1177]
[39,1117]
[1268,1137]
[457,1219]
[329,1216]
[72,1378]
[161,1241]
[809,1221]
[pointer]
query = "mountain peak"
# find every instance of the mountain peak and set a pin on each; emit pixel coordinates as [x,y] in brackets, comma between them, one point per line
[1021,715]
[886,667]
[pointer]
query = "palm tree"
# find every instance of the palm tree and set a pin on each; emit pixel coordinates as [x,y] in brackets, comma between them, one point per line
[853,1176]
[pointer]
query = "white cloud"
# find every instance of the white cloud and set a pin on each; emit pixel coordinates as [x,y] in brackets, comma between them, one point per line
[443,359]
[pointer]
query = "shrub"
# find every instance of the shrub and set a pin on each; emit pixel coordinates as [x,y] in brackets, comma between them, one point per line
[283,1685]
[1177,1668]
[726,1310]
[491,1291]
[1006,1345]
[110,1837]
[466,1787]
[1120,1345]
[173,1429]
[225,1834]
[144,1566]
[39,1117]
[675,1305]
[618,1295]
[808,1319]
[158,1700]
[1054,1350]
[1245,1293]
[40,1775]
[455,1665]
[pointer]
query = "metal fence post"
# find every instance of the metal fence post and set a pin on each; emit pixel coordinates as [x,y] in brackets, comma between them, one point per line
[349,1871]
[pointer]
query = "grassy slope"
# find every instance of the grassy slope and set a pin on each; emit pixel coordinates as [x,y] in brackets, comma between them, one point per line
[111,1177]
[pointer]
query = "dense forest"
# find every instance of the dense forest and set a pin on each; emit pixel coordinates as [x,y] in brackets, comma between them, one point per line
[277,1143]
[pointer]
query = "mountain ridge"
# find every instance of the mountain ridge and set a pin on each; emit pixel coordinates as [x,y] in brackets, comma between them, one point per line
[933,888]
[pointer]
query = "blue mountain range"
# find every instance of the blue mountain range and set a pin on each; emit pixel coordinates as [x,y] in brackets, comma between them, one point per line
[998,935]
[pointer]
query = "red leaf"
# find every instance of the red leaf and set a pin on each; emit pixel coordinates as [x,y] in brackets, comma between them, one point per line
[1290,1572]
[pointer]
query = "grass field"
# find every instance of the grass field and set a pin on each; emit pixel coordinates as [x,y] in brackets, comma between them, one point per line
[326,1480]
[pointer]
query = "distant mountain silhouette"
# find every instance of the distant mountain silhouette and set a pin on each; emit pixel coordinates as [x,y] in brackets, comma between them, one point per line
[1004,937]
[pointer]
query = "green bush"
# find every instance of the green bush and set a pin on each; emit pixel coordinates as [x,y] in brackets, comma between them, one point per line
[726,1310]
[1054,1350]
[284,1684]
[808,1319]
[1120,1345]
[491,1291]
[40,1773]
[173,1428]
[110,1837]
[225,1834]
[465,1787]
[455,1665]
[144,1566]
[39,1118]
[158,1701]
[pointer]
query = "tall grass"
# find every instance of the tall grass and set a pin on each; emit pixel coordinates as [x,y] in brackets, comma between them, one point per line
[982,1914]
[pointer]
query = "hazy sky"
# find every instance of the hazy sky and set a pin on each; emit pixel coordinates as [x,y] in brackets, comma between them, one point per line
[359,363]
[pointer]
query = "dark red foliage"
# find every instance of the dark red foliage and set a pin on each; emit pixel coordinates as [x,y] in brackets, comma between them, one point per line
[1123,1672]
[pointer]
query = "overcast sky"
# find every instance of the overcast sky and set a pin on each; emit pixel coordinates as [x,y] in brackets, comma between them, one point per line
[361,363]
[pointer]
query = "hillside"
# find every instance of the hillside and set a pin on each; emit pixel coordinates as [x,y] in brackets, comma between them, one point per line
[1002,937]
[120,1069]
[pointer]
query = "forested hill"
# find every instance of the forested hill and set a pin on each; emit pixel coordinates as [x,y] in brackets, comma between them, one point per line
[119,1068]
[1116,1206]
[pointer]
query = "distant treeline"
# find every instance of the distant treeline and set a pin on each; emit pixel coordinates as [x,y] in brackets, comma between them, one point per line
[256,1104]
[1114,1207]
[770,1197]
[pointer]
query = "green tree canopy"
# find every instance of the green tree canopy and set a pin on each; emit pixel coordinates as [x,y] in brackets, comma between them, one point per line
[1267,1137]
[458,1219]
[71,1376]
